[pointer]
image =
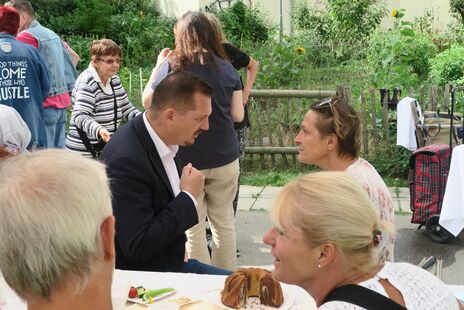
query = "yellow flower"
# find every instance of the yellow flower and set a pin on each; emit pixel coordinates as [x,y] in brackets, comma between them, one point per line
[394,13]
[300,50]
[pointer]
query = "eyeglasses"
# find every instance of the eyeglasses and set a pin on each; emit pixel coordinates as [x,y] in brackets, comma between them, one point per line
[110,61]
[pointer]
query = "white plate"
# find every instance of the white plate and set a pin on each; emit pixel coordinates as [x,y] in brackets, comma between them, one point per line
[289,301]
[140,301]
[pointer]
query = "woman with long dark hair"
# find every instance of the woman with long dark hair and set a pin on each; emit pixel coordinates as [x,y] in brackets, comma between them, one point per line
[198,51]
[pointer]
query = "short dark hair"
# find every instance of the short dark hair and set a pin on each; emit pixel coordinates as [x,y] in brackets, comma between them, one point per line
[176,91]
[9,20]
[22,6]
[340,118]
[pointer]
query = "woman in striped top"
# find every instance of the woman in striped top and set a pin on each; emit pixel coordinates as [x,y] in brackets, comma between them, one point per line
[99,101]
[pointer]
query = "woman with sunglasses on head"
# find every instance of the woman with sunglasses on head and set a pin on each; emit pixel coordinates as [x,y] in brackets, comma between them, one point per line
[330,138]
[99,101]
[327,238]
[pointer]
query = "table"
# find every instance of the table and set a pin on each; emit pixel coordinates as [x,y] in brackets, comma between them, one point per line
[452,210]
[190,285]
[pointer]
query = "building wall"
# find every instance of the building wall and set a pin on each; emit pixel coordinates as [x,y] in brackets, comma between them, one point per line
[417,8]
[272,8]
[175,8]
[414,8]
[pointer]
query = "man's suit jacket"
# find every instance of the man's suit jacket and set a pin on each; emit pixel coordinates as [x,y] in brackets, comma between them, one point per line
[150,221]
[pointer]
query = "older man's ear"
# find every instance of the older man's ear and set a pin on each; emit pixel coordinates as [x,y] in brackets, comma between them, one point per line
[107,232]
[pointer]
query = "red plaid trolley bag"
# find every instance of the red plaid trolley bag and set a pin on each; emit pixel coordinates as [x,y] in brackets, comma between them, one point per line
[428,174]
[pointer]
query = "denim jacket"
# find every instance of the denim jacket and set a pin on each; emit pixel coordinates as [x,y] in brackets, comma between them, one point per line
[24,84]
[59,63]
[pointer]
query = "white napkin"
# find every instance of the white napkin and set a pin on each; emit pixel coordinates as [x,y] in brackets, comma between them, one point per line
[405,127]
[452,210]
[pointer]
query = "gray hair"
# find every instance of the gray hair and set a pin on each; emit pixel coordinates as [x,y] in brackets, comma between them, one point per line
[52,204]
[331,207]
[21,6]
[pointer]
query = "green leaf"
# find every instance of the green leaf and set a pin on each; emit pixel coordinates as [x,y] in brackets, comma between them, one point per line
[387,60]
[405,23]
[407,32]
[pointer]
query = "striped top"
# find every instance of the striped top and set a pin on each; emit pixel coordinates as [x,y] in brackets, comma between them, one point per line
[93,108]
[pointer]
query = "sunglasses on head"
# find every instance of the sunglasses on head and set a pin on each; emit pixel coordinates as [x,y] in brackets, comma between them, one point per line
[325,101]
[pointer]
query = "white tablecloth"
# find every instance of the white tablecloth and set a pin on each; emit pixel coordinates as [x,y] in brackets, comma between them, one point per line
[190,285]
[452,211]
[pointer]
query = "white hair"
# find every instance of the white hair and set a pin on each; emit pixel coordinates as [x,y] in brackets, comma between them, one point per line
[52,204]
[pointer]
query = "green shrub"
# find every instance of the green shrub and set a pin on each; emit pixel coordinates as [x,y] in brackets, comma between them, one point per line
[88,16]
[136,26]
[418,52]
[241,23]
[341,29]
[457,6]
[447,67]
[400,60]
[141,35]
[75,16]
[390,160]
[282,65]
[81,45]
[400,56]
[356,19]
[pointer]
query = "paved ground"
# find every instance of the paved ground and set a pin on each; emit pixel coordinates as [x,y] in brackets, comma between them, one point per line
[252,221]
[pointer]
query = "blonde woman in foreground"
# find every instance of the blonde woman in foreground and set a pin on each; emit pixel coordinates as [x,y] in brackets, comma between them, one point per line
[329,245]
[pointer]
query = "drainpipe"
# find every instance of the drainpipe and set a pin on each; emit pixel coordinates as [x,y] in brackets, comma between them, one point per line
[281,23]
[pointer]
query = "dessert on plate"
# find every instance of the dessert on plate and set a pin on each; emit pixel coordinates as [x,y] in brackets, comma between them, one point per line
[251,282]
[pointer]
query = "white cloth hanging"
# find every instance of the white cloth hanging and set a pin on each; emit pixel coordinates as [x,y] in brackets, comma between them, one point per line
[405,126]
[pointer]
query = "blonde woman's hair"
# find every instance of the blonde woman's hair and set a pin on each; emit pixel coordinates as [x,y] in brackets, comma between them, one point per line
[52,204]
[331,207]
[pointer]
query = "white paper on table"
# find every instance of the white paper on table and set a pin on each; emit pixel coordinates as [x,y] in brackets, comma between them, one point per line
[452,210]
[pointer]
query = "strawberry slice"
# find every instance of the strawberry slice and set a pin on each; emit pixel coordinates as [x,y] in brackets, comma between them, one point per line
[133,292]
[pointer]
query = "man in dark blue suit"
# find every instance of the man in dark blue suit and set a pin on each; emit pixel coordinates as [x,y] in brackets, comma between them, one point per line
[154,198]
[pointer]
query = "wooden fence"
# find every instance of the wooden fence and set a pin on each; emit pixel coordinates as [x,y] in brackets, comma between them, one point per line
[276,115]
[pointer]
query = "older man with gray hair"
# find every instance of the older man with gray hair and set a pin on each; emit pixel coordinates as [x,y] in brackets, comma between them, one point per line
[57,228]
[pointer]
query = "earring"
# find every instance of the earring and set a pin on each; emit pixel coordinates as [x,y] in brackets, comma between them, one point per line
[318,265]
